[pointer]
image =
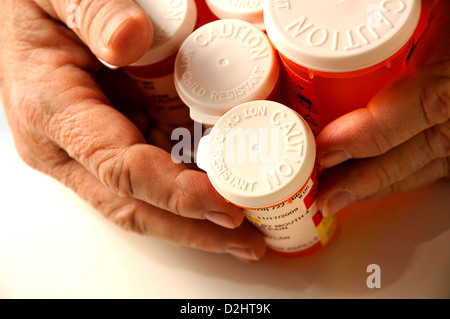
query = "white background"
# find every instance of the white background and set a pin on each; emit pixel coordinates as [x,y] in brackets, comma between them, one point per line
[53,245]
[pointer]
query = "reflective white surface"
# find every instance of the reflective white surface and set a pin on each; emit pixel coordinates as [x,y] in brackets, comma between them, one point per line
[53,245]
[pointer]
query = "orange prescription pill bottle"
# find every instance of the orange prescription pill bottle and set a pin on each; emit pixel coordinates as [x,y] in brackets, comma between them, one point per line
[172,22]
[249,10]
[261,156]
[204,14]
[337,55]
[423,21]
[223,64]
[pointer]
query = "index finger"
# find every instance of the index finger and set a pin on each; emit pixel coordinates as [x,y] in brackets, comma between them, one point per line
[408,107]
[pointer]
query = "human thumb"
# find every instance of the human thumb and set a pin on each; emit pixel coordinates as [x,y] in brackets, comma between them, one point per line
[118,32]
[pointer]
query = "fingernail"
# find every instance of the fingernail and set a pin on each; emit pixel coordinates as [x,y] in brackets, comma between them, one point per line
[113,27]
[334,158]
[221,219]
[337,202]
[244,254]
[112,67]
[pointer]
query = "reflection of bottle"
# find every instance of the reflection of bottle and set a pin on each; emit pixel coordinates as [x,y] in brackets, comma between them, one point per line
[250,11]
[338,54]
[223,64]
[261,156]
[172,22]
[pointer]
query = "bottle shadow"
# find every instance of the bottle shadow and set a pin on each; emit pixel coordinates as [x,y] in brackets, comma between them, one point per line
[386,232]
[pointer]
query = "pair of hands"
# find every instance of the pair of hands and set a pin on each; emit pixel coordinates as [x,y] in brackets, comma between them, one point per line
[82,124]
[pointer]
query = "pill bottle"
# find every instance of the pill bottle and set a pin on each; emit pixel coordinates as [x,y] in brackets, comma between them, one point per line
[249,10]
[423,21]
[337,55]
[261,156]
[223,64]
[204,13]
[173,21]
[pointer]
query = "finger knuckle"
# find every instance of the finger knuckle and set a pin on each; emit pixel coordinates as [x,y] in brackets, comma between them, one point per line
[379,137]
[438,140]
[396,188]
[124,216]
[178,202]
[193,240]
[435,100]
[204,241]
[173,203]
[186,197]
[114,172]
[32,144]
[385,176]
[440,169]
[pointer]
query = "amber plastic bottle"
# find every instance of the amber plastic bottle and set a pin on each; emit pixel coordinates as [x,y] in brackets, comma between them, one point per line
[337,55]
[173,21]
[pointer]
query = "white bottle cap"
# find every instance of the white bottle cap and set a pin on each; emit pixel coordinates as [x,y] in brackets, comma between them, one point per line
[248,10]
[172,22]
[223,64]
[340,35]
[259,154]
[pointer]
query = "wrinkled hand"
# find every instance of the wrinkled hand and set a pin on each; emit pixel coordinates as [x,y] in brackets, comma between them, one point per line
[65,124]
[401,140]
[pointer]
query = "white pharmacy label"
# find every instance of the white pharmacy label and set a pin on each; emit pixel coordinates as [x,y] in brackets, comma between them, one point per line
[290,226]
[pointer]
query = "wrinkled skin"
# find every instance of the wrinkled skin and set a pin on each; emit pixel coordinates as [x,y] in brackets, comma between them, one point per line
[83,125]
[401,140]
[69,121]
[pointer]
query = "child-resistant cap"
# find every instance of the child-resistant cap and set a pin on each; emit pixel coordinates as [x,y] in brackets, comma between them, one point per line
[258,154]
[223,64]
[340,35]
[172,22]
[249,10]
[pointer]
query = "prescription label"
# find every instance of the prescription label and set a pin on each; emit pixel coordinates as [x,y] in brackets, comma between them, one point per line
[300,95]
[296,224]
